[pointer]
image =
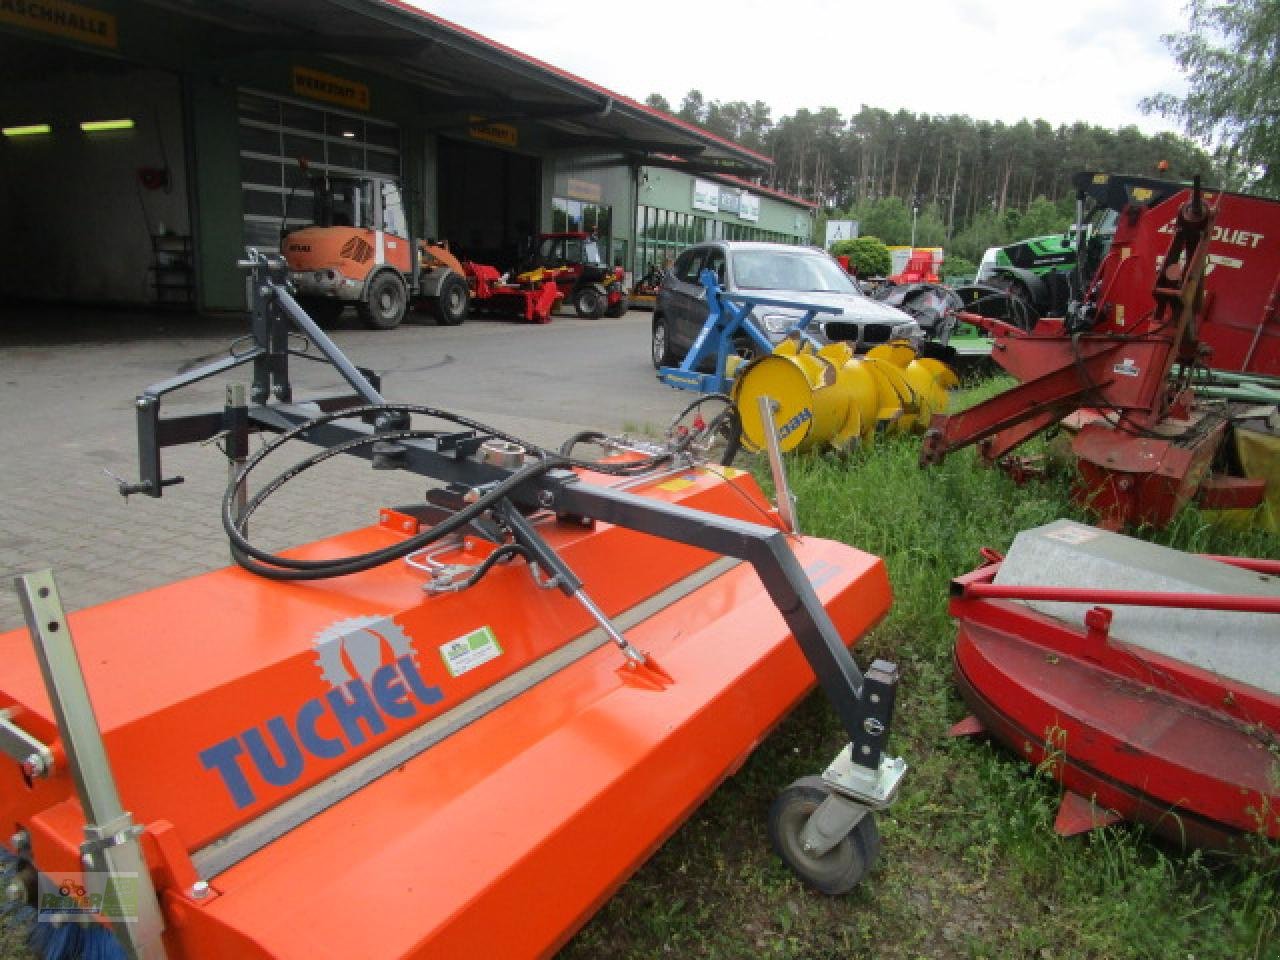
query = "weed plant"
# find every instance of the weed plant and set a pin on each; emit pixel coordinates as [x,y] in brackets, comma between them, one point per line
[970,866]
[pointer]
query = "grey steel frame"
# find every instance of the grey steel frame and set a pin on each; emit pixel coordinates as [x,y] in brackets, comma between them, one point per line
[863,703]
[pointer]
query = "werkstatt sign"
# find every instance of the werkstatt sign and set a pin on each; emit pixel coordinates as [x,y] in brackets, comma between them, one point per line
[62,19]
[500,133]
[325,86]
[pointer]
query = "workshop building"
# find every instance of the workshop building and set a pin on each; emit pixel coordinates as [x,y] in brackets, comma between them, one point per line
[146,144]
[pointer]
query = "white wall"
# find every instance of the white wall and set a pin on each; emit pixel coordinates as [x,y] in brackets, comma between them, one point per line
[75,223]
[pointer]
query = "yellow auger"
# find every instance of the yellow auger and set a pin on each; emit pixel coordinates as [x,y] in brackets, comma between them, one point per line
[827,396]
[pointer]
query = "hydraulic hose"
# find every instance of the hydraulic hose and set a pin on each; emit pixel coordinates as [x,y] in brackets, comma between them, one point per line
[277,567]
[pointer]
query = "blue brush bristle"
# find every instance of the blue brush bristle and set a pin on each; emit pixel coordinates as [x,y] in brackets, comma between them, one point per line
[56,941]
[74,941]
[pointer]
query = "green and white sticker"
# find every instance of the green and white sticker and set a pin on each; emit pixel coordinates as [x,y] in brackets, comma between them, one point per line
[469,651]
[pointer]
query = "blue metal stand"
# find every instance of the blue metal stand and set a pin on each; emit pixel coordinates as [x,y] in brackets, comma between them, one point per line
[728,316]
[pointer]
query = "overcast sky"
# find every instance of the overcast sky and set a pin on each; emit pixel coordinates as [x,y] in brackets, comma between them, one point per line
[1089,60]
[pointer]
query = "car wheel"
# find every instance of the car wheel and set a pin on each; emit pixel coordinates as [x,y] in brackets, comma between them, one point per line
[663,355]
[385,308]
[589,302]
[451,305]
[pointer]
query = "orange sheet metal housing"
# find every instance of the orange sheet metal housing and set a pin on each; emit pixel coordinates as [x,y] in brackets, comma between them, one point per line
[502,839]
[350,251]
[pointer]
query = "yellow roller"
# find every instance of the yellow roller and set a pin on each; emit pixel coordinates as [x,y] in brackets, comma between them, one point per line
[830,397]
[930,379]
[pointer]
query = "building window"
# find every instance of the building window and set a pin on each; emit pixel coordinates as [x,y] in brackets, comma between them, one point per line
[581,216]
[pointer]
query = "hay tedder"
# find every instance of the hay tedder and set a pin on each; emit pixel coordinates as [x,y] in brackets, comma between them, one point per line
[453,733]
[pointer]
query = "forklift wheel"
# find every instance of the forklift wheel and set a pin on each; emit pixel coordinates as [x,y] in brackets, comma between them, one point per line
[452,303]
[387,302]
[841,868]
[589,302]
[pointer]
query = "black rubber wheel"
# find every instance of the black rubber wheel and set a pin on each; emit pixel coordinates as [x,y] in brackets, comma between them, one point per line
[618,309]
[709,428]
[323,311]
[841,868]
[451,305]
[1020,311]
[589,302]
[387,303]
[663,354]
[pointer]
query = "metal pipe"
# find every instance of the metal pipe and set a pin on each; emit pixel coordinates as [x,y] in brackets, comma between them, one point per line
[786,500]
[1130,598]
[335,356]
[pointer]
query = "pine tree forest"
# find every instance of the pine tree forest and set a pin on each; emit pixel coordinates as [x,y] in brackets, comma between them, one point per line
[973,183]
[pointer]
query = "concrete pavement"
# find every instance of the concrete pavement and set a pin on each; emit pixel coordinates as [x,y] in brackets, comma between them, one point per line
[67,384]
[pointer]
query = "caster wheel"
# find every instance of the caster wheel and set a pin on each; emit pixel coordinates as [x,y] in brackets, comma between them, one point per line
[839,869]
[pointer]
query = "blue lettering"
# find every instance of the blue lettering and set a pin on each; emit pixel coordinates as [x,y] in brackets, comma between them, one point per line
[324,747]
[222,757]
[290,766]
[389,692]
[360,709]
[426,695]
[351,712]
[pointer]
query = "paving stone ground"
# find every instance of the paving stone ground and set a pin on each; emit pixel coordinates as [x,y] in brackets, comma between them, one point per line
[68,379]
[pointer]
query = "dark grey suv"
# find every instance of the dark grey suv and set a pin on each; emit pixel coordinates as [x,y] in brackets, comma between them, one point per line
[779,271]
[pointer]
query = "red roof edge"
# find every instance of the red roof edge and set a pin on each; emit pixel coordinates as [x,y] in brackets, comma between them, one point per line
[566,75]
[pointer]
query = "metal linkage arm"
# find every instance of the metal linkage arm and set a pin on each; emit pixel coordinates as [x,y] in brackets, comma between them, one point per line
[865,719]
[111,843]
[273,311]
[729,317]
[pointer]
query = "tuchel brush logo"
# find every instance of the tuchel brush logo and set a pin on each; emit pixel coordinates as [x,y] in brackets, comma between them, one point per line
[368,687]
[354,648]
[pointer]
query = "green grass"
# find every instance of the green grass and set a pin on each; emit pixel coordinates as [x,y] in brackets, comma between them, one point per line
[970,866]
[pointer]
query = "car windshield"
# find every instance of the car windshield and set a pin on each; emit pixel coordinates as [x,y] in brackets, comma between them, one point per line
[785,270]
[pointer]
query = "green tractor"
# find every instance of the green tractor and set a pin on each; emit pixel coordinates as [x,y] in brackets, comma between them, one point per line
[1042,275]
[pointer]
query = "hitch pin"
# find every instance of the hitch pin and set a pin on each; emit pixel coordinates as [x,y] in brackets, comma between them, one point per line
[631,652]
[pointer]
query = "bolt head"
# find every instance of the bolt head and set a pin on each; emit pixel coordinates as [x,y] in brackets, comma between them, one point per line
[20,840]
[87,860]
[199,889]
[33,766]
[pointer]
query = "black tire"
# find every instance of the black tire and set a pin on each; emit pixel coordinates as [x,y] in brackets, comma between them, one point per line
[323,311]
[660,346]
[388,301]
[841,868]
[1020,309]
[618,309]
[589,302]
[451,305]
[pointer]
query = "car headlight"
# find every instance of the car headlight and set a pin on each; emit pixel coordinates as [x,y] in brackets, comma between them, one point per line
[778,323]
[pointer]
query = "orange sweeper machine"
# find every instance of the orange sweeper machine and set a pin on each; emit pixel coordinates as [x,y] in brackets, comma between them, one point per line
[453,733]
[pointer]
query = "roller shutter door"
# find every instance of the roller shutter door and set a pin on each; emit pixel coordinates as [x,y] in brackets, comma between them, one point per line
[275,132]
